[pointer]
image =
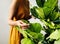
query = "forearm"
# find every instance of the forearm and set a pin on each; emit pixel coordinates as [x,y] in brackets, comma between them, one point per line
[11,12]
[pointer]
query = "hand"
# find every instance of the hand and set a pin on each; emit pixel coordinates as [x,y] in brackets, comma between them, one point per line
[22,24]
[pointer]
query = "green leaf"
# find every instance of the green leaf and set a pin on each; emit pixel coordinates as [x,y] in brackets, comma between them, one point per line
[57,42]
[35,27]
[27,41]
[40,13]
[40,3]
[49,6]
[54,15]
[40,42]
[55,35]
[21,31]
[33,11]
[49,24]
[37,12]
[37,36]
[57,26]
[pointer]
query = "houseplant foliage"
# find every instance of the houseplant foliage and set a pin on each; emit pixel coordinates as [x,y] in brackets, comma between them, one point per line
[47,12]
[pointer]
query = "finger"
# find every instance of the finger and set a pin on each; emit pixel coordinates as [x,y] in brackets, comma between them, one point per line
[24,25]
[24,28]
[21,21]
[19,24]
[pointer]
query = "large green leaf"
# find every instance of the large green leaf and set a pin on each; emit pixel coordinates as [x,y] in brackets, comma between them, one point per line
[40,13]
[55,35]
[54,15]
[27,41]
[36,36]
[49,6]
[33,11]
[57,42]
[37,12]
[21,31]
[35,27]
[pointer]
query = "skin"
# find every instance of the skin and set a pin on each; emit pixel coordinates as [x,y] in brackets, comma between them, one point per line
[14,23]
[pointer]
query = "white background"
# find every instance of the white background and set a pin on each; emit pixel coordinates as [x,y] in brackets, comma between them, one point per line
[4,27]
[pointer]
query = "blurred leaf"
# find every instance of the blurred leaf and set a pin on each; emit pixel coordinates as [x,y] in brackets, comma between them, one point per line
[27,41]
[49,6]
[40,3]
[54,15]
[57,42]
[55,35]
[35,27]
[37,12]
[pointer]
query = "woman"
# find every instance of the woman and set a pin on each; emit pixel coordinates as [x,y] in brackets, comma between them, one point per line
[19,9]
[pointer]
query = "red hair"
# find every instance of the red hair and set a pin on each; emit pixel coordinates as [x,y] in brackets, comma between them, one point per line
[22,10]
